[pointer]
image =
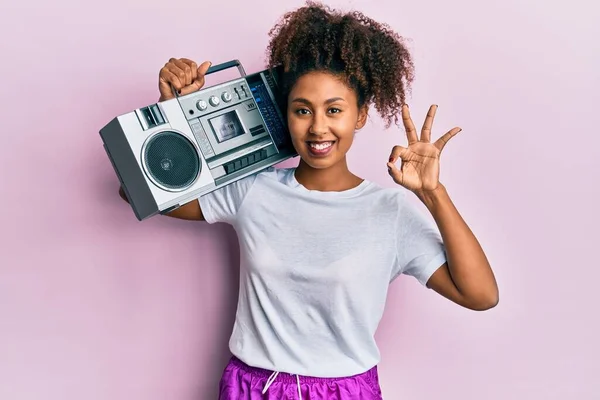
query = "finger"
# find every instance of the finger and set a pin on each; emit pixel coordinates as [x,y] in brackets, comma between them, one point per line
[395,173]
[200,80]
[187,71]
[411,132]
[202,69]
[167,78]
[179,73]
[192,65]
[441,142]
[426,131]
[196,85]
[398,151]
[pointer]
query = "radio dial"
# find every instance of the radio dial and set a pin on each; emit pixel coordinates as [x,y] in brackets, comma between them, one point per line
[226,96]
[201,105]
[214,101]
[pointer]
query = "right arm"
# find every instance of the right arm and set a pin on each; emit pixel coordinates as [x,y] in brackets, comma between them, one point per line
[185,77]
[190,211]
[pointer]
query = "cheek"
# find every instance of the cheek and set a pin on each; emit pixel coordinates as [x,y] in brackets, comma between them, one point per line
[349,123]
[345,141]
[297,128]
[345,129]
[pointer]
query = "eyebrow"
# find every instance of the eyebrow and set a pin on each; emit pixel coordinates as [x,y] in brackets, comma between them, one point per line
[305,101]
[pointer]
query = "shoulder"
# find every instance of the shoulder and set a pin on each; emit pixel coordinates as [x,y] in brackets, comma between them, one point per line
[275,176]
[395,203]
[279,174]
[268,180]
[393,197]
[224,203]
[269,174]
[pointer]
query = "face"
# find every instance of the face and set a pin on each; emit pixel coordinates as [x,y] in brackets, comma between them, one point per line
[322,116]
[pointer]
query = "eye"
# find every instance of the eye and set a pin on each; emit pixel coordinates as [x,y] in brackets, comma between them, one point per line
[335,110]
[302,111]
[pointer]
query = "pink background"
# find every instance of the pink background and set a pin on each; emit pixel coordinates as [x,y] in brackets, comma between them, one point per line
[95,305]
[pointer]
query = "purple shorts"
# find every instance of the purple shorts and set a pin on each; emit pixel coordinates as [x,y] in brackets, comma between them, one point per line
[242,382]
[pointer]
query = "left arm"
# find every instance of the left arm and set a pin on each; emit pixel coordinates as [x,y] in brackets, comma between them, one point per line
[466,278]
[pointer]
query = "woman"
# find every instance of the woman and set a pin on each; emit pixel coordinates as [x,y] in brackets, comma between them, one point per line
[320,245]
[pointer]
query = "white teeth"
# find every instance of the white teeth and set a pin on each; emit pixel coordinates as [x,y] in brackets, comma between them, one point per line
[321,146]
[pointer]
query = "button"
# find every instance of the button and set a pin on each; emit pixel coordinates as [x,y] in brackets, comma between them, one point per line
[237,165]
[214,101]
[201,105]
[226,96]
[244,162]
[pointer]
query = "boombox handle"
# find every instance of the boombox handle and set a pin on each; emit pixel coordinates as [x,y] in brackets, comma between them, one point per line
[220,67]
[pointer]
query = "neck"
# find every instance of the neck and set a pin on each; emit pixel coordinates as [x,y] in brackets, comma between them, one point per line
[332,179]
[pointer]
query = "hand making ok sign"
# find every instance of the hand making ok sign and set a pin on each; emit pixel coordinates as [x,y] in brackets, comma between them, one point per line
[420,161]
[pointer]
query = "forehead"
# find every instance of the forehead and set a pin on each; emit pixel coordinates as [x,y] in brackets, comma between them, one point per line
[321,86]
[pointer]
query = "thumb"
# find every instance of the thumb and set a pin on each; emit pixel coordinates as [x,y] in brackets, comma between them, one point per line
[198,83]
[203,68]
[395,173]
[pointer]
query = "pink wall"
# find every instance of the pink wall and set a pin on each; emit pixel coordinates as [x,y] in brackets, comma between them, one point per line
[95,305]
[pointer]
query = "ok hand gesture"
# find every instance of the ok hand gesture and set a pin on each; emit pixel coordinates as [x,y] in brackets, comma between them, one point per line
[420,167]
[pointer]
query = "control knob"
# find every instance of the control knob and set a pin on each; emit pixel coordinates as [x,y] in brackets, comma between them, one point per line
[226,96]
[214,101]
[201,105]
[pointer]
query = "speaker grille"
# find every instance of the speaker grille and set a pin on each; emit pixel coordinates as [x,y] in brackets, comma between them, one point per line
[171,160]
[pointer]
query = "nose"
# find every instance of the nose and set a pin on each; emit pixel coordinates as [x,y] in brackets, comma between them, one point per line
[318,125]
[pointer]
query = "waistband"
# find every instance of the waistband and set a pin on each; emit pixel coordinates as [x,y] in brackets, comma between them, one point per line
[370,375]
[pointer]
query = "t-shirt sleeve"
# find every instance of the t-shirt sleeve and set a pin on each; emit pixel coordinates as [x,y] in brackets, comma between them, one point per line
[223,204]
[420,249]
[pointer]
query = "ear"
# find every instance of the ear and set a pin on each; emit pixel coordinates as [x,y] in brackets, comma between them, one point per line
[363,114]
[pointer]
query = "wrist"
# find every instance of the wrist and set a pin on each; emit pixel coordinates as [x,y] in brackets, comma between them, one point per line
[432,198]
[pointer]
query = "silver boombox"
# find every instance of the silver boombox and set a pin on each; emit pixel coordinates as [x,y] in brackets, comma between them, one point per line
[174,151]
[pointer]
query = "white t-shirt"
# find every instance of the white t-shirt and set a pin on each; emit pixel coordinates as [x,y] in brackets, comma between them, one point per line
[315,268]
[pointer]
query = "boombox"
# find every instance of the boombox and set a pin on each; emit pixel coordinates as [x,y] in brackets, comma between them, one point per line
[172,152]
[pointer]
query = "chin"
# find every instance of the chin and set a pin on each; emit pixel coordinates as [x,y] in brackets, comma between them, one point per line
[318,164]
[321,163]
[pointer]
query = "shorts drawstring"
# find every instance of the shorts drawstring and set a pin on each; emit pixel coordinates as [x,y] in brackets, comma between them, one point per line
[299,390]
[272,379]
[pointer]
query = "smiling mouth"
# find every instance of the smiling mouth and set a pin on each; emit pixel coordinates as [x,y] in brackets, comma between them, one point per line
[320,148]
[321,145]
